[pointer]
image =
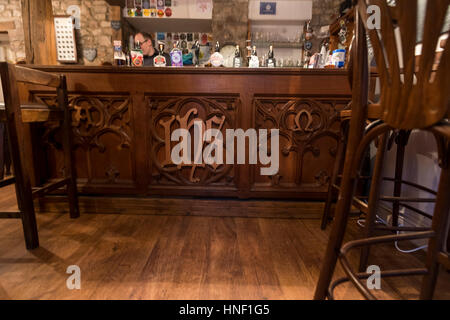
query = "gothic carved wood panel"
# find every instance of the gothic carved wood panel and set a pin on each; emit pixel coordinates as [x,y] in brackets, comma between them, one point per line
[309,132]
[168,113]
[102,136]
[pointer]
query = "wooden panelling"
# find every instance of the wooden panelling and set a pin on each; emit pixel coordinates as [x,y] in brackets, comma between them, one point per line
[168,113]
[120,116]
[309,132]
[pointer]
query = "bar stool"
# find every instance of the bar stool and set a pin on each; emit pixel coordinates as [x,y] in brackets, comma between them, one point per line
[14,115]
[411,98]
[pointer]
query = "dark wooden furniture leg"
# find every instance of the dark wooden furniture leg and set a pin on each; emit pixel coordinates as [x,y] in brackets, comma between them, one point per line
[7,153]
[402,141]
[356,133]
[2,151]
[374,197]
[440,225]
[340,156]
[68,151]
[16,135]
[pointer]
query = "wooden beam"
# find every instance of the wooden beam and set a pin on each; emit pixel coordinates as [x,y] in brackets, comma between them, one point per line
[40,44]
[119,3]
[116,15]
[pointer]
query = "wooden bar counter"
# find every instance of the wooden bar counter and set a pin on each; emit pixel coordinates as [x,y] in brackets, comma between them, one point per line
[118,114]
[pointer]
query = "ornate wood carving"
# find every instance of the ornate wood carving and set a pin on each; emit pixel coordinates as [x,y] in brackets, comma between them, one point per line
[309,132]
[168,113]
[120,118]
[102,137]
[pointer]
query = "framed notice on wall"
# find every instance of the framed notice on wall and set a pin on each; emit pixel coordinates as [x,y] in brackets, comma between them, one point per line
[268,8]
[66,48]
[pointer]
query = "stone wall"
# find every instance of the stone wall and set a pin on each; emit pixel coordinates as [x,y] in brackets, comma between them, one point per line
[230,19]
[95,32]
[324,13]
[230,22]
[11,20]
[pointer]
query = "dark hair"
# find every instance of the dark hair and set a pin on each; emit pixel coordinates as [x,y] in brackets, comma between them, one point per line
[147,36]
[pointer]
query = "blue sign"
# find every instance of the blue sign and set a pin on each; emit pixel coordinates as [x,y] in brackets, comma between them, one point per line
[269,8]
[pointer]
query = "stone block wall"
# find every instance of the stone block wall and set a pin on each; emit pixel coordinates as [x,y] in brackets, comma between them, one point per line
[11,21]
[324,13]
[230,20]
[95,32]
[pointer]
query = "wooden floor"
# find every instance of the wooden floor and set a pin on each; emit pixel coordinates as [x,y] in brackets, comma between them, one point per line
[125,256]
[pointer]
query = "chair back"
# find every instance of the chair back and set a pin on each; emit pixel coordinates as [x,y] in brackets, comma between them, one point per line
[415,93]
[11,75]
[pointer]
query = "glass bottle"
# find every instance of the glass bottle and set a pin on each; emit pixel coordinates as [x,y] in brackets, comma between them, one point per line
[176,56]
[216,58]
[237,62]
[271,62]
[254,60]
[160,60]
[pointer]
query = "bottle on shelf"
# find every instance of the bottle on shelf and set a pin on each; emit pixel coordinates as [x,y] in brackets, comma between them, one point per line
[254,60]
[137,57]
[237,61]
[196,49]
[160,60]
[216,58]
[271,62]
[248,51]
[176,55]
[119,55]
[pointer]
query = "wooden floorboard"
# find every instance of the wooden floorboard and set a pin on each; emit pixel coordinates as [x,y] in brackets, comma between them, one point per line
[144,256]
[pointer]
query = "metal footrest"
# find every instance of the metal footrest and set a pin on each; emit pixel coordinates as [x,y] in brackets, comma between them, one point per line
[356,277]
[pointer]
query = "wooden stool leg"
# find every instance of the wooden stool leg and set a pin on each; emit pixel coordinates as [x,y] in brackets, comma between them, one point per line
[402,141]
[68,151]
[439,226]
[2,151]
[15,133]
[28,219]
[7,153]
[340,156]
[70,173]
[374,196]
[23,190]
[23,194]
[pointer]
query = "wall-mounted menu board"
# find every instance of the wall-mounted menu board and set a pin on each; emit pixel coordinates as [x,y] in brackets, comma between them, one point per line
[66,48]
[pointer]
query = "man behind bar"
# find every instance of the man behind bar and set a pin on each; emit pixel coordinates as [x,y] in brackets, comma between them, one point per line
[146,43]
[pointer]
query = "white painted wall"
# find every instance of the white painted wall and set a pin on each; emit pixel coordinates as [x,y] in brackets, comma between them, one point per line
[189,9]
[286,25]
[287,10]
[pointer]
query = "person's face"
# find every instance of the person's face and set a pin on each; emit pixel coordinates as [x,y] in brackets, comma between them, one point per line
[146,45]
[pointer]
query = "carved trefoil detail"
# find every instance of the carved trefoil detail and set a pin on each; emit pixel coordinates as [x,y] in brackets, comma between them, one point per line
[309,133]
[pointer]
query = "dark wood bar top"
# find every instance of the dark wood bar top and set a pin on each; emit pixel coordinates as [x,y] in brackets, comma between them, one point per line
[121,144]
[188,70]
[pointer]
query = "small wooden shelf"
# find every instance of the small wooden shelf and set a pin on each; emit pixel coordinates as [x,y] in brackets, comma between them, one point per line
[120,3]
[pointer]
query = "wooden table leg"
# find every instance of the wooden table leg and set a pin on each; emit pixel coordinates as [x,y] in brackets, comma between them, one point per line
[6,152]
[2,151]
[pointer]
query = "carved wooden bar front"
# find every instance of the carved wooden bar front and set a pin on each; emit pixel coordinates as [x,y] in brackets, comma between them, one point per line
[123,121]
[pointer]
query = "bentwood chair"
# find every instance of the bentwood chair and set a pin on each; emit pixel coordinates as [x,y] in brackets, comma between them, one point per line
[414,95]
[15,115]
[358,201]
